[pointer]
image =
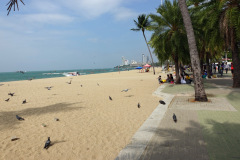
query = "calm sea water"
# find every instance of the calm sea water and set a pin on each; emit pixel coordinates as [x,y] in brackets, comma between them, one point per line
[17,76]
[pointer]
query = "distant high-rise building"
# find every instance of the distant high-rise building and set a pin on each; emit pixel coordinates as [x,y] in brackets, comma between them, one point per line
[148,60]
[124,61]
[144,59]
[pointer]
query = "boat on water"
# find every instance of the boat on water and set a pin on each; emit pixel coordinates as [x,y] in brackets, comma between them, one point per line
[68,74]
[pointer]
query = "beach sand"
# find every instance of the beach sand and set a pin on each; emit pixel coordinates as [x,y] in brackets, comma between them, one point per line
[90,126]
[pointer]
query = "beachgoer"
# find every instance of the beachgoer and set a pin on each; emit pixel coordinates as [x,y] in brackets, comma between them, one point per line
[160,80]
[232,69]
[171,78]
[183,81]
[214,67]
[168,79]
[226,67]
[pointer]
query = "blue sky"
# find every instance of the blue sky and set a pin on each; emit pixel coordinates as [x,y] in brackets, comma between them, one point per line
[71,34]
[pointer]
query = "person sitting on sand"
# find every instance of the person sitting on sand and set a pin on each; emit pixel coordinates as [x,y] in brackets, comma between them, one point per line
[171,78]
[160,80]
[188,79]
[168,79]
[183,81]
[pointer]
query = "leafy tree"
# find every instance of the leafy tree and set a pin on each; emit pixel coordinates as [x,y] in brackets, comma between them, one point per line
[224,16]
[169,38]
[142,24]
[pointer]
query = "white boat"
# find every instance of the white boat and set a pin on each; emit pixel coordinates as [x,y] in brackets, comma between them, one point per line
[68,74]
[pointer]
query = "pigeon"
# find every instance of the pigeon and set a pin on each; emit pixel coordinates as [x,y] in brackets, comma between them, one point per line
[25,101]
[70,82]
[139,105]
[14,138]
[98,84]
[11,94]
[81,85]
[174,118]
[110,98]
[47,144]
[162,102]
[56,119]
[125,90]
[7,100]
[49,88]
[19,118]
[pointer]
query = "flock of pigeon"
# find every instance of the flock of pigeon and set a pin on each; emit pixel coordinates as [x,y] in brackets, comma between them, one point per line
[48,142]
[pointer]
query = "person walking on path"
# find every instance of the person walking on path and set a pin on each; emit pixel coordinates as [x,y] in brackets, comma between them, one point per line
[226,67]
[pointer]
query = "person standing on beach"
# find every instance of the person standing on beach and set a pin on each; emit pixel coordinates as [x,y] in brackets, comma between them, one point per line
[232,69]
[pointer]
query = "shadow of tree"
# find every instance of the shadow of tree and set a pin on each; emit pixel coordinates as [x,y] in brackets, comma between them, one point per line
[221,82]
[215,141]
[8,119]
[222,139]
[174,144]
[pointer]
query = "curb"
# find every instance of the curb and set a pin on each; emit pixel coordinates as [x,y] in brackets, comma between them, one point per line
[141,138]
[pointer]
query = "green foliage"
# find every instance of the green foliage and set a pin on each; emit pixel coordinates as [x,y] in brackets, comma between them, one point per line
[169,38]
[142,23]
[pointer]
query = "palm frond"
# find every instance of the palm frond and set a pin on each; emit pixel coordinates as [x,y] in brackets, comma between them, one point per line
[13,3]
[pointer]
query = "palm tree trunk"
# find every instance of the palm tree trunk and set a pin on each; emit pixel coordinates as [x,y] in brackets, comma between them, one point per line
[177,69]
[236,60]
[149,52]
[200,94]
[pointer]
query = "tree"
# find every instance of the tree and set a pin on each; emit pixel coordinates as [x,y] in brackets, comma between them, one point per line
[142,24]
[13,3]
[169,38]
[200,94]
[224,16]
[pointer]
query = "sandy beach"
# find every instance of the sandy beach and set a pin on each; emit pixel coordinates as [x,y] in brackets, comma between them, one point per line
[90,125]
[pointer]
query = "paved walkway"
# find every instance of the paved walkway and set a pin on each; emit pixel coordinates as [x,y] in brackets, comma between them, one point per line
[203,131]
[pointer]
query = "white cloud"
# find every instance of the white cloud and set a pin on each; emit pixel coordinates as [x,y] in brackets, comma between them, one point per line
[124,13]
[94,40]
[92,8]
[45,6]
[47,18]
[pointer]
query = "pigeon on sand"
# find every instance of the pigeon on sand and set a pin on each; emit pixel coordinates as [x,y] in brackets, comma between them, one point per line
[25,101]
[11,94]
[110,98]
[174,118]
[7,99]
[125,90]
[139,105]
[47,143]
[19,118]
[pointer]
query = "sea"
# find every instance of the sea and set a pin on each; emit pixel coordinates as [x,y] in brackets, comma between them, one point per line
[28,75]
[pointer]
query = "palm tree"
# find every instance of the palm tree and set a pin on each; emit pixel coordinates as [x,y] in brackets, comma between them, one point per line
[224,16]
[169,38]
[142,24]
[12,3]
[200,94]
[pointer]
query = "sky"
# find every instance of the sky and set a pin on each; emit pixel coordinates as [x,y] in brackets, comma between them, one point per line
[71,34]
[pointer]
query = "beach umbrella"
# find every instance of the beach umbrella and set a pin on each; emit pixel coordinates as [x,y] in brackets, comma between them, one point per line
[147,66]
[139,68]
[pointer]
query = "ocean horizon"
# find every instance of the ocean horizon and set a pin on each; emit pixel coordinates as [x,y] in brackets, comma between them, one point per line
[27,75]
